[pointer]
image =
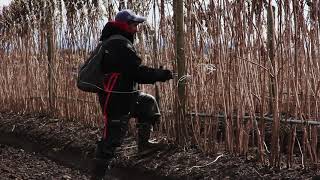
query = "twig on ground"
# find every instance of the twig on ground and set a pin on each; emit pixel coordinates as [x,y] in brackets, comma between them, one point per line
[14,126]
[257,172]
[49,122]
[207,164]
[265,146]
[302,157]
[128,147]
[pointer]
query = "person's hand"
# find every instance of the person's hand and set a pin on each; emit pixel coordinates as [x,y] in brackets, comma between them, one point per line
[164,75]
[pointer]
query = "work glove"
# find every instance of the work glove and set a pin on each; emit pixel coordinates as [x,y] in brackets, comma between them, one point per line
[163,75]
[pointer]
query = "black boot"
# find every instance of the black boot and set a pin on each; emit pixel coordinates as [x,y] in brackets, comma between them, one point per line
[100,163]
[99,167]
[144,146]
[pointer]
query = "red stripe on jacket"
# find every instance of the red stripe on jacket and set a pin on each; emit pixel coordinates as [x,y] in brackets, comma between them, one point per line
[108,87]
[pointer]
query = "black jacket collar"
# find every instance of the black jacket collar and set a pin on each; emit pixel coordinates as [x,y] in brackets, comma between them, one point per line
[112,28]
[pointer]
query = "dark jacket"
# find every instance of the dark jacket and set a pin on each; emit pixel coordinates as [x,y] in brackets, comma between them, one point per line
[123,70]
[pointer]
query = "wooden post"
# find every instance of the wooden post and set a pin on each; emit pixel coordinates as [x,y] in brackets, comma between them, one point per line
[181,65]
[274,94]
[50,67]
[270,41]
[155,51]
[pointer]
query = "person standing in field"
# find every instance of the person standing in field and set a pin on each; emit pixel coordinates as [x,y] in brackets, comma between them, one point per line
[121,99]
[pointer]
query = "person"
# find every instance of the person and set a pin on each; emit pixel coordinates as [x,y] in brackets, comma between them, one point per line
[121,99]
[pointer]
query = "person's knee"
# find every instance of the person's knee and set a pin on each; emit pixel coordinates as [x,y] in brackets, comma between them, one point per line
[147,109]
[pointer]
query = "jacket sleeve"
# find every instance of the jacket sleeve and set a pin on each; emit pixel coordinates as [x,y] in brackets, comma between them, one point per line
[129,64]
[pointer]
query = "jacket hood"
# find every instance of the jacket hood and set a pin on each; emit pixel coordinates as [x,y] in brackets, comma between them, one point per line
[113,27]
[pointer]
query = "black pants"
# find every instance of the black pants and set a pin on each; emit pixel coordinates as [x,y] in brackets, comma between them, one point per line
[116,116]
